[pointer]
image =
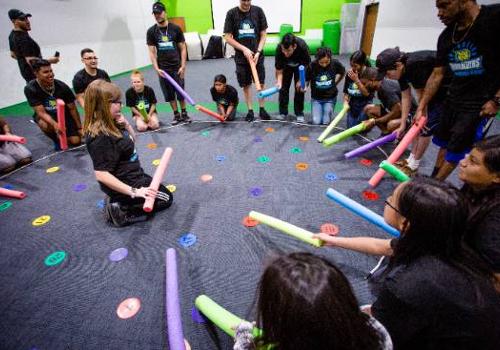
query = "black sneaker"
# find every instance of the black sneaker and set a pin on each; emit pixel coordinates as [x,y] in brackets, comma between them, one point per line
[250,117]
[264,115]
[177,119]
[116,215]
[185,118]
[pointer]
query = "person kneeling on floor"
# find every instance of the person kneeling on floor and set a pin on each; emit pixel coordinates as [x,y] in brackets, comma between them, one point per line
[110,143]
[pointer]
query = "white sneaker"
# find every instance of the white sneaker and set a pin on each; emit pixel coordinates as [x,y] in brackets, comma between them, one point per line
[281,117]
[300,119]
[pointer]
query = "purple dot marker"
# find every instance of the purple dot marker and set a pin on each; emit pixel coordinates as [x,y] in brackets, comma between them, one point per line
[256,191]
[79,187]
[258,139]
[118,254]
[100,204]
[196,316]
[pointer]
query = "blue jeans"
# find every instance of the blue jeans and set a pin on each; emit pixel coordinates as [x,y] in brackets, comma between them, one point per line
[351,121]
[322,111]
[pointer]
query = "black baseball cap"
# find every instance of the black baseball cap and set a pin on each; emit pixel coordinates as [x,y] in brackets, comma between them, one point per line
[18,14]
[386,60]
[158,7]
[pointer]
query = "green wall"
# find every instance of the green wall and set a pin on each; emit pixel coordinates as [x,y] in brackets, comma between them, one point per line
[198,13]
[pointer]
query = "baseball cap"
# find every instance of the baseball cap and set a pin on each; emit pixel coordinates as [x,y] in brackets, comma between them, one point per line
[18,14]
[158,7]
[386,60]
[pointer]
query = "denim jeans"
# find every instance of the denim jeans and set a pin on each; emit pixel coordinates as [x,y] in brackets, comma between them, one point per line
[351,121]
[322,111]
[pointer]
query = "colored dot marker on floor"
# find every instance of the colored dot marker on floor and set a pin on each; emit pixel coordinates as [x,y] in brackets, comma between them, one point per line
[206,178]
[220,158]
[365,162]
[172,188]
[249,222]
[118,254]
[101,203]
[55,258]
[197,316]
[41,220]
[187,240]
[331,176]
[258,139]
[8,187]
[370,195]
[301,166]
[52,170]
[5,205]
[79,187]
[128,308]
[263,159]
[152,146]
[269,129]
[156,162]
[295,150]
[205,133]
[330,229]
[256,191]
[304,138]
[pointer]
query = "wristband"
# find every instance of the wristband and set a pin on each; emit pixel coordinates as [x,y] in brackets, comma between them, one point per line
[133,192]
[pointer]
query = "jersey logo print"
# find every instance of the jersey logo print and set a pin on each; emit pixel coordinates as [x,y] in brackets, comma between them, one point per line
[353,90]
[165,43]
[247,29]
[465,60]
[323,82]
[50,105]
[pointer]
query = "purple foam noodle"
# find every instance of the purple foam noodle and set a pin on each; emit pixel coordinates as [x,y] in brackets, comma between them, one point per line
[173,306]
[378,142]
[178,87]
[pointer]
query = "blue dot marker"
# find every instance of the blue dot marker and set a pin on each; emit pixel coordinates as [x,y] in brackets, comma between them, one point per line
[220,158]
[331,177]
[100,204]
[187,240]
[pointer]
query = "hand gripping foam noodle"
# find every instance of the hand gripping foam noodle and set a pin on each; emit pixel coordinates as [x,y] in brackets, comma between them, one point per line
[12,138]
[210,113]
[61,122]
[344,134]
[255,75]
[362,211]
[394,172]
[378,142]
[222,318]
[302,77]
[268,92]
[334,123]
[173,306]
[143,112]
[398,151]
[177,87]
[157,178]
[287,228]
[11,193]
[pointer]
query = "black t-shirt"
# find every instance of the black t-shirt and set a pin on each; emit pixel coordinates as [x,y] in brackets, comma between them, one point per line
[230,96]
[36,96]
[166,39]
[357,101]
[146,98]
[21,43]
[484,224]
[474,60]
[82,79]
[390,93]
[245,28]
[418,69]
[299,57]
[116,155]
[322,80]
[430,304]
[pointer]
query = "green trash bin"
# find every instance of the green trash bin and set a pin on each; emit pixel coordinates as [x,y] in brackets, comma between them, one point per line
[331,35]
[285,29]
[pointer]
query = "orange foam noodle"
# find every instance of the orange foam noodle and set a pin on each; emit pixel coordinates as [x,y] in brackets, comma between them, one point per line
[61,121]
[157,178]
[11,193]
[399,150]
[210,113]
[12,138]
[256,80]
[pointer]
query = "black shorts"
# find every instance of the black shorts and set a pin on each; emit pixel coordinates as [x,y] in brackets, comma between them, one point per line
[169,92]
[71,128]
[457,132]
[434,113]
[244,73]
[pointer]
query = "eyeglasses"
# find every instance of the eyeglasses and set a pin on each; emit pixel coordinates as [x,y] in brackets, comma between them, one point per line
[391,206]
[90,58]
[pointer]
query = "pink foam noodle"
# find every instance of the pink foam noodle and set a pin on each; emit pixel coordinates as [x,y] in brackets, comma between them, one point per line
[12,138]
[11,193]
[61,121]
[157,178]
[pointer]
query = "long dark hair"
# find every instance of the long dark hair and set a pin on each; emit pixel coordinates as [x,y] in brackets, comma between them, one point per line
[306,303]
[359,57]
[437,216]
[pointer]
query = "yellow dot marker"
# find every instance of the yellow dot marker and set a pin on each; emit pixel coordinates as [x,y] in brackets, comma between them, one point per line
[54,169]
[171,188]
[156,162]
[41,220]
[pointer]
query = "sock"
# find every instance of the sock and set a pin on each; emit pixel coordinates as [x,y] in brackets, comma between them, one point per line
[414,164]
[250,111]
[410,159]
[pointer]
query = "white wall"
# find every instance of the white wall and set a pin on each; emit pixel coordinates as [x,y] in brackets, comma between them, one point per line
[410,24]
[115,29]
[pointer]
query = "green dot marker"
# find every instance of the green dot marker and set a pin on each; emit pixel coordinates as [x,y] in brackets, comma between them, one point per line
[295,150]
[205,133]
[263,159]
[5,206]
[55,258]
